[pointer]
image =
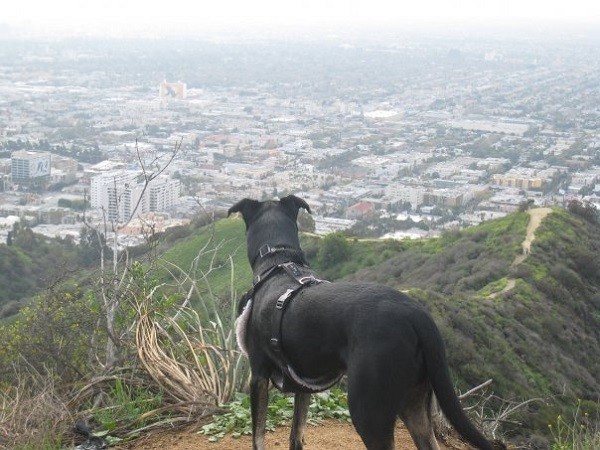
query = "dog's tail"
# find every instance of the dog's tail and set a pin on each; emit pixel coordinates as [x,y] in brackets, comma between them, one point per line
[439,377]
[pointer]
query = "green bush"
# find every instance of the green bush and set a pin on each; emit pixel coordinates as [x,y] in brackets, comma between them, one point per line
[56,333]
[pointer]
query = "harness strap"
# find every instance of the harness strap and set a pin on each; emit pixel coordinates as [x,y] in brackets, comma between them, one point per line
[277,320]
[291,268]
[289,379]
[284,299]
[285,378]
[260,278]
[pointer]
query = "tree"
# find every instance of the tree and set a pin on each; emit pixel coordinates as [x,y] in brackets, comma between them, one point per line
[335,249]
[526,205]
[305,222]
[115,281]
[587,210]
[91,246]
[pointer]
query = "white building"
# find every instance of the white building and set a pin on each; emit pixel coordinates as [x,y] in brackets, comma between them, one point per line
[163,194]
[28,165]
[402,193]
[123,194]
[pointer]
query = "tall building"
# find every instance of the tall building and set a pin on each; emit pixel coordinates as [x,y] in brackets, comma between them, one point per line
[163,194]
[28,166]
[123,195]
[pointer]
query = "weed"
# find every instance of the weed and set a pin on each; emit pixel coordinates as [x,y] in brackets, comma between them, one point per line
[32,413]
[581,432]
[128,403]
[237,421]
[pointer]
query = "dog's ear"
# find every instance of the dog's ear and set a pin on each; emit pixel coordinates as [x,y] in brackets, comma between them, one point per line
[247,208]
[292,204]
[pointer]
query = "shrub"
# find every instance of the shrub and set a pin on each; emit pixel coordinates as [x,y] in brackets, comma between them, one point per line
[333,250]
[57,332]
[586,210]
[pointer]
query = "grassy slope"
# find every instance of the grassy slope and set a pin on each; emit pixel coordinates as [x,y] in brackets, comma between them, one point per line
[539,339]
[206,256]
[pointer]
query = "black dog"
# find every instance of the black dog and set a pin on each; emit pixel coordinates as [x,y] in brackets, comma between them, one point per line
[304,334]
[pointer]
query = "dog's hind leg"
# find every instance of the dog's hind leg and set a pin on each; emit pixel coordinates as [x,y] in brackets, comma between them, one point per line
[372,408]
[259,402]
[301,403]
[417,418]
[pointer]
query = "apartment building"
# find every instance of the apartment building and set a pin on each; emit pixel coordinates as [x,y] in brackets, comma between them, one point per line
[28,166]
[123,194]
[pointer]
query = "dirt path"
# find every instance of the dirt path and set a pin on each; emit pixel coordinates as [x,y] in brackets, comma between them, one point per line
[331,435]
[536,215]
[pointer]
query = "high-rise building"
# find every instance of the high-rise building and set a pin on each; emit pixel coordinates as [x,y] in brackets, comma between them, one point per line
[123,194]
[163,194]
[28,166]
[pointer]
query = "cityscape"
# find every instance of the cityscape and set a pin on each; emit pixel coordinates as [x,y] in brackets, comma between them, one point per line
[449,156]
[400,137]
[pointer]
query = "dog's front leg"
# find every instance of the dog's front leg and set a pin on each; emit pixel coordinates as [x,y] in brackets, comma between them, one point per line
[301,403]
[259,402]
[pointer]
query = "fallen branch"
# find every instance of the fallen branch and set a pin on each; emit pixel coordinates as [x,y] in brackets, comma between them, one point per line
[475,389]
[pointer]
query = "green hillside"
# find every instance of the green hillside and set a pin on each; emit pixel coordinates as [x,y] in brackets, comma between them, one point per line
[32,262]
[531,322]
[207,257]
[533,327]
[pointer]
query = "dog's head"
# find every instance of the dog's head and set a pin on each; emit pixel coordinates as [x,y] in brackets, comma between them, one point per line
[273,222]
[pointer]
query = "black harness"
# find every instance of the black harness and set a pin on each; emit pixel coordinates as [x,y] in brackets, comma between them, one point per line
[285,377]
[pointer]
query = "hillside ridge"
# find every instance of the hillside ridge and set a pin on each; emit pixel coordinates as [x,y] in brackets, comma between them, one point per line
[536,215]
[535,340]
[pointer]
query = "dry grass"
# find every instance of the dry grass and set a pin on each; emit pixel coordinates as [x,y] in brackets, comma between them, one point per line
[190,360]
[33,415]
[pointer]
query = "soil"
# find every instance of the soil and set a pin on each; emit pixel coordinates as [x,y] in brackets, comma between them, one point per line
[331,435]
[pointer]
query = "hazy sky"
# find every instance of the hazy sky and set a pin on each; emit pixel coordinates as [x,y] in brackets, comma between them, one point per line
[121,16]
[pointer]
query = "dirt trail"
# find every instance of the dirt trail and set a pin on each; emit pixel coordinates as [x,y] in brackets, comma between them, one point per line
[537,215]
[331,435]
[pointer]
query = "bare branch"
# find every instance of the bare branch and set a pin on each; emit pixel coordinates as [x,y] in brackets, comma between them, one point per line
[475,389]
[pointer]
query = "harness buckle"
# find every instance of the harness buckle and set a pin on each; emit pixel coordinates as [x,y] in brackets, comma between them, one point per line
[292,269]
[307,280]
[280,303]
[265,250]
